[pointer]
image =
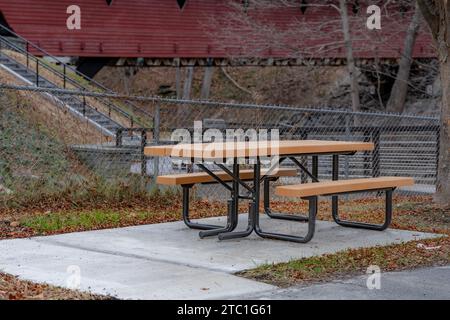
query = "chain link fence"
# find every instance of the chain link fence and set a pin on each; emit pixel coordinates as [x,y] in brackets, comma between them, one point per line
[48,149]
[405,145]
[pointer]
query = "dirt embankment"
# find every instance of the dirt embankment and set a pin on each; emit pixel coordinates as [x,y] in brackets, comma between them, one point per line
[300,86]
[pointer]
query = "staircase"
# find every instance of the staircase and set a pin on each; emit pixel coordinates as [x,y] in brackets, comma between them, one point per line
[72,103]
[30,73]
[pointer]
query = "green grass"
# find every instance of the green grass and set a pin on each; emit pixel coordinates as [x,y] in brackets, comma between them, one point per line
[54,222]
[84,220]
[28,152]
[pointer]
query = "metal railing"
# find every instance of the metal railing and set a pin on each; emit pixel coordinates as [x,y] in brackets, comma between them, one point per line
[144,118]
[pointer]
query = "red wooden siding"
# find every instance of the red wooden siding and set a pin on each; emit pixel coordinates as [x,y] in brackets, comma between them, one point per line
[159,29]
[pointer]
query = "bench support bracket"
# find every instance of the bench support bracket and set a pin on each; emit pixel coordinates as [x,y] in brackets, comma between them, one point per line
[313,203]
[186,219]
[272,215]
[360,225]
[267,180]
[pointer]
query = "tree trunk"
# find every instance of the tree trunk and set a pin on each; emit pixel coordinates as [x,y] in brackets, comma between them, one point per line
[207,81]
[399,91]
[442,196]
[178,78]
[353,74]
[188,83]
[437,15]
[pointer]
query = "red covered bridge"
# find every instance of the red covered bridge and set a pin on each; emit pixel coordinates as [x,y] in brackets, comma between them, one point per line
[161,30]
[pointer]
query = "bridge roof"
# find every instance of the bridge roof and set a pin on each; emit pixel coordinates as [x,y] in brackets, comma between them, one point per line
[194,29]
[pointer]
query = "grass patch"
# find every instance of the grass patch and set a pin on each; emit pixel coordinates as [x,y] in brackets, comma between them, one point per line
[414,214]
[354,262]
[152,209]
[93,219]
[85,220]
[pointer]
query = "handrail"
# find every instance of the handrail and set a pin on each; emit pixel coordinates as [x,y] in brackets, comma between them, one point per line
[75,71]
[74,82]
[54,58]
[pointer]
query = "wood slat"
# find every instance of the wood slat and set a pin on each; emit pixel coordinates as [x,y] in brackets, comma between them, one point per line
[342,186]
[201,177]
[209,151]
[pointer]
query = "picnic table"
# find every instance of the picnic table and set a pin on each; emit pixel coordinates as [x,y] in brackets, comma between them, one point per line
[229,157]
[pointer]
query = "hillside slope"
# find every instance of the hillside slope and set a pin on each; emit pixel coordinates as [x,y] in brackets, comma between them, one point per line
[32,159]
[299,86]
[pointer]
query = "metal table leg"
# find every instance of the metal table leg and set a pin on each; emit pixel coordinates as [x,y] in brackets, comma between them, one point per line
[233,209]
[281,216]
[335,177]
[253,208]
[255,215]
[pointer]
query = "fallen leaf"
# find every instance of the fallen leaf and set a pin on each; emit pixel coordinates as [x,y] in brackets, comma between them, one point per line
[422,246]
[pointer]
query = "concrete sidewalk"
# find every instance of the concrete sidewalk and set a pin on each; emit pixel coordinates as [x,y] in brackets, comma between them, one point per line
[169,261]
[429,283]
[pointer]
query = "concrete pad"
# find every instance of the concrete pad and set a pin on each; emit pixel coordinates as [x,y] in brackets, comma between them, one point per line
[169,261]
[121,276]
[173,242]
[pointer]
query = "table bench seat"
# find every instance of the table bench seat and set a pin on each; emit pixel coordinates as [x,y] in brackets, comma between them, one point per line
[343,186]
[311,192]
[202,177]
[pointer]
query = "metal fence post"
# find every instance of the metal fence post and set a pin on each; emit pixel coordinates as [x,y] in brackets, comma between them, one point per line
[143,157]
[84,106]
[37,72]
[376,153]
[119,134]
[348,138]
[304,160]
[64,68]
[28,56]
[367,158]
[438,153]
[156,137]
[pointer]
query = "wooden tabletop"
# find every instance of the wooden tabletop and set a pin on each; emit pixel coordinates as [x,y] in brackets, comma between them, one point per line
[222,150]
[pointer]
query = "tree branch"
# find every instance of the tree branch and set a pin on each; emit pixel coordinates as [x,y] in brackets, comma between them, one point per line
[430,16]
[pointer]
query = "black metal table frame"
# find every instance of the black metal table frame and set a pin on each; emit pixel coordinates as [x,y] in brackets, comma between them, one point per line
[225,233]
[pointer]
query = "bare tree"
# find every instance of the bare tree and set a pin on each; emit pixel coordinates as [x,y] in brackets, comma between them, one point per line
[437,15]
[189,78]
[250,32]
[207,81]
[352,71]
[399,91]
